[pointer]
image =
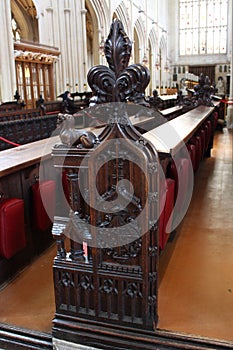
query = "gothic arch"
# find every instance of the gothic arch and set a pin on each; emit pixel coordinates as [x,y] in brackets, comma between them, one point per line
[26,18]
[92,35]
[140,30]
[136,51]
[97,18]
[122,14]
[163,60]
[163,46]
[153,57]
[154,41]
[101,11]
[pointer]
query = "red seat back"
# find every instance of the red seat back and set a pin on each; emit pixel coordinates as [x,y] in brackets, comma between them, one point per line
[12,228]
[43,194]
[165,225]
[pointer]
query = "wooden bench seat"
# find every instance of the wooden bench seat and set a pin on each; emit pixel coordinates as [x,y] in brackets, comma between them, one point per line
[22,131]
[20,114]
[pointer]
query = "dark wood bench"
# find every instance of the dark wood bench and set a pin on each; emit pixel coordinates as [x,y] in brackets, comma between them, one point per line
[10,106]
[106,268]
[81,100]
[28,129]
[20,167]
[20,114]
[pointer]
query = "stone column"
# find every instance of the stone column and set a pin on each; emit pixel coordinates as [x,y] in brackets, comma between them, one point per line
[84,43]
[7,62]
[79,58]
[230,100]
[230,105]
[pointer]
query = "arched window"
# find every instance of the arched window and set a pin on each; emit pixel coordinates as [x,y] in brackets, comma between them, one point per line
[15,30]
[203,27]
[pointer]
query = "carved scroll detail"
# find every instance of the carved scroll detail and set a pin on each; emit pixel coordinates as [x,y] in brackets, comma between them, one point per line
[118,83]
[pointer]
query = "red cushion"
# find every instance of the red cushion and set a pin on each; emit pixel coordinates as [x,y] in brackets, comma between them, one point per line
[181,179]
[53,112]
[162,202]
[165,225]
[12,229]
[215,119]
[208,129]
[196,140]
[43,195]
[192,153]
[201,133]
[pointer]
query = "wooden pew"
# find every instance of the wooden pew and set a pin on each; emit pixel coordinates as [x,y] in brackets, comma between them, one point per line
[10,106]
[28,129]
[19,114]
[81,100]
[99,292]
[20,167]
[105,271]
[168,101]
[172,112]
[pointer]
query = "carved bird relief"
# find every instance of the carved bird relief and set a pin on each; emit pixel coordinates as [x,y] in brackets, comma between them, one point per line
[70,136]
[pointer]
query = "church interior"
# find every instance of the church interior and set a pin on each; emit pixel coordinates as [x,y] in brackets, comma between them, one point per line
[116,174]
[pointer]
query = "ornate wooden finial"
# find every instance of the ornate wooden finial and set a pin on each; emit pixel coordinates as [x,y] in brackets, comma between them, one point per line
[119,82]
[203,91]
[117,48]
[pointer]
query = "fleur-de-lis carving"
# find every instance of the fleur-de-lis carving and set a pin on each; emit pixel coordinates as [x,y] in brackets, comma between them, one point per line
[119,82]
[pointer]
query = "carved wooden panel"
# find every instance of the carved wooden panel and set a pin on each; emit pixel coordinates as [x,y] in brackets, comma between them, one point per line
[107,275]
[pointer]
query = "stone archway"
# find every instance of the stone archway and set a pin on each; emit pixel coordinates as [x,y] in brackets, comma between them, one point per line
[25,15]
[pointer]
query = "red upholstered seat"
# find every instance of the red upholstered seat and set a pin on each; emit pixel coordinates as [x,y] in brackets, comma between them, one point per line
[165,223]
[201,133]
[215,119]
[196,140]
[53,112]
[192,153]
[12,229]
[43,194]
[208,130]
[180,177]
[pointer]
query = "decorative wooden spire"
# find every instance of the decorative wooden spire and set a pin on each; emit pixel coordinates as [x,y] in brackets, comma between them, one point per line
[119,82]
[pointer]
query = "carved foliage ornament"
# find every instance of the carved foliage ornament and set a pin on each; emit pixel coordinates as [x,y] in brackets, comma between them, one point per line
[119,82]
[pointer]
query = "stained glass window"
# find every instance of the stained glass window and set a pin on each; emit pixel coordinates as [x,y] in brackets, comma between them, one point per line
[203,26]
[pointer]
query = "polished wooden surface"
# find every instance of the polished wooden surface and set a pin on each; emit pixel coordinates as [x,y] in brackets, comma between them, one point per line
[169,137]
[171,110]
[18,158]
